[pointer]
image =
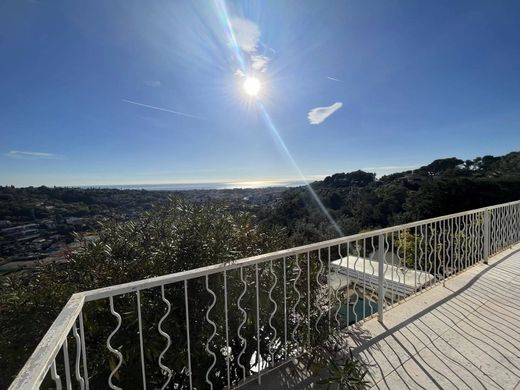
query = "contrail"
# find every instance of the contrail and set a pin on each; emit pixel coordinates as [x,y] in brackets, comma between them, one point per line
[334,79]
[161,109]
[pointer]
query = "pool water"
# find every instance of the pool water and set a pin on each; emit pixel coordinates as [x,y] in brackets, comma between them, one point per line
[353,312]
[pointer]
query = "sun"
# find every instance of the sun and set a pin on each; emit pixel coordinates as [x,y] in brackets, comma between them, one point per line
[252,86]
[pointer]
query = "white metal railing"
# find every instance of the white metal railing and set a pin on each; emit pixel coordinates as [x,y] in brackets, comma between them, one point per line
[225,324]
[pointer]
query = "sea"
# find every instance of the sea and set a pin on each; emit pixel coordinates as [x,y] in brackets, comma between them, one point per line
[202,186]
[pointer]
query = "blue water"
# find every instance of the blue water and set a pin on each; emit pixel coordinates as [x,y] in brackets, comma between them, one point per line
[198,186]
[351,313]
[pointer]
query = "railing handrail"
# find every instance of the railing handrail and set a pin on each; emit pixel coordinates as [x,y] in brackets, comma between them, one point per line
[156,281]
[35,369]
[41,360]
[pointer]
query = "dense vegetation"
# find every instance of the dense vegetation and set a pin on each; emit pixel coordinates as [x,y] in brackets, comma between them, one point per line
[358,201]
[172,238]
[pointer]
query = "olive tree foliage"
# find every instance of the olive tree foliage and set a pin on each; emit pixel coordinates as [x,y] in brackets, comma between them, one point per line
[175,237]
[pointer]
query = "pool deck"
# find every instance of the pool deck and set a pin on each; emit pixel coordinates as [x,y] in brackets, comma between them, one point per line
[397,280]
[465,335]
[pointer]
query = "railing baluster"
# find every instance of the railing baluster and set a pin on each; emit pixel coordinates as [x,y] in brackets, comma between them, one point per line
[364,277]
[188,341]
[373,253]
[338,300]
[228,352]
[164,368]
[55,376]
[507,226]
[78,356]
[435,252]
[440,250]
[468,240]
[386,248]
[319,301]
[208,350]
[141,344]
[329,303]
[308,299]
[398,267]
[431,254]
[66,363]
[285,306]
[473,241]
[493,233]
[392,254]
[445,247]
[355,286]
[275,309]
[452,245]
[457,245]
[83,349]
[259,355]
[381,277]
[296,317]
[244,320]
[499,230]
[426,253]
[422,259]
[348,282]
[415,258]
[115,351]
[405,265]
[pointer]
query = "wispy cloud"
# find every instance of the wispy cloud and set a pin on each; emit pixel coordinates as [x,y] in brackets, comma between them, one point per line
[319,114]
[259,62]
[334,79]
[152,83]
[247,35]
[239,73]
[161,109]
[25,155]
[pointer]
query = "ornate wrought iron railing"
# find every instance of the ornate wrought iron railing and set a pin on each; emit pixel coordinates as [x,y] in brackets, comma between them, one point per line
[226,324]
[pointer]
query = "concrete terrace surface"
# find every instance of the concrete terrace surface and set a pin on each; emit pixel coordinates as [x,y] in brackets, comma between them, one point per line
[465,335]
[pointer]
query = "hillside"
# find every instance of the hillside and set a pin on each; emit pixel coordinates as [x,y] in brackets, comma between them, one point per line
[359,201]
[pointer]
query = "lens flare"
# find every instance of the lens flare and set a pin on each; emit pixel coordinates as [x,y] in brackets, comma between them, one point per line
[252,87]
[269,122]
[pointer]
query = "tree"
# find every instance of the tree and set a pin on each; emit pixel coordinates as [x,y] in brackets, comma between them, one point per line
[441,166]
[176,237]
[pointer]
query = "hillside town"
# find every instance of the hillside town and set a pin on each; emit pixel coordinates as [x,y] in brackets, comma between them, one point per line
[41,224]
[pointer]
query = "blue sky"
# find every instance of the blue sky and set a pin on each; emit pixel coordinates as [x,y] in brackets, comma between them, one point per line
[417,81]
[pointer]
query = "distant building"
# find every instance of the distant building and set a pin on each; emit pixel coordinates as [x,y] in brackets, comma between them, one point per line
[17,232]
[48,224]
[74,220]
[5,223]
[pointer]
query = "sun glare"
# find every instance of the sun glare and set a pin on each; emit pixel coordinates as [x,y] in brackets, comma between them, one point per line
[252,86]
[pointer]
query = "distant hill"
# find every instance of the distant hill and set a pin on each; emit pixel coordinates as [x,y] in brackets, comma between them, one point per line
[359,201]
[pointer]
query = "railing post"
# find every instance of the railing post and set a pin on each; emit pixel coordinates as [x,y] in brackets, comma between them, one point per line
[486,235]
[381,277]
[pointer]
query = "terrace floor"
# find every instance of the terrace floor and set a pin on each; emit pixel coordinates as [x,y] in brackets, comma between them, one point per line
[465,335]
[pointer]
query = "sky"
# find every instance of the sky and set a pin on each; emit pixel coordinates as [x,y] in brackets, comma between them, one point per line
[137,92]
